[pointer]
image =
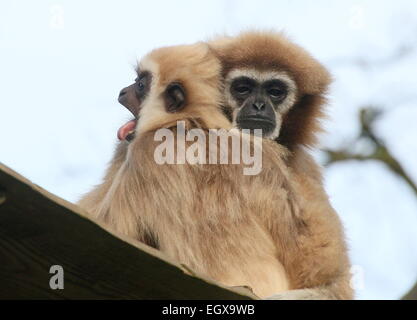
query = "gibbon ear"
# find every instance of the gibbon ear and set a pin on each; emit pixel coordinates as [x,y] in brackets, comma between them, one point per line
[174,97]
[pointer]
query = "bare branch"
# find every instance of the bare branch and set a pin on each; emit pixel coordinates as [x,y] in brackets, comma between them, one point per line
[367,118]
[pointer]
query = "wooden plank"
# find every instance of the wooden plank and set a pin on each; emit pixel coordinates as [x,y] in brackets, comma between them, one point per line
[38,230]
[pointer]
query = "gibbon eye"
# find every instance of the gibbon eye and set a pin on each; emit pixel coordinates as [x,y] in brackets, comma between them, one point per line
[242,86]
[140,83]
[242,89]
[276,93]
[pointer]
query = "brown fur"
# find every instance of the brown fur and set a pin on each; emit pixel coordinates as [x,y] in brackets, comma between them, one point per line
[320,264]
[200,215]
[273,231]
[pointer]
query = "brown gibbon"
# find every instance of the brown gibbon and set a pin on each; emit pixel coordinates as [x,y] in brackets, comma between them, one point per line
[238,229]
[272,84]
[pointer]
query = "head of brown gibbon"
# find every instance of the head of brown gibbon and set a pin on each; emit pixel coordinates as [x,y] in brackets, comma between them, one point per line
[272,84]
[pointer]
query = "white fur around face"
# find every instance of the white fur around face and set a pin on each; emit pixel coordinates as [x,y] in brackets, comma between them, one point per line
[262,76]
[152,107]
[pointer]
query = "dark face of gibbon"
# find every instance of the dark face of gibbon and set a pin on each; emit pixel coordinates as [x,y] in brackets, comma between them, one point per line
[132,96]
[258,100]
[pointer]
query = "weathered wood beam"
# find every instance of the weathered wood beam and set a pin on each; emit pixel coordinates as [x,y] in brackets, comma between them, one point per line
[38,230]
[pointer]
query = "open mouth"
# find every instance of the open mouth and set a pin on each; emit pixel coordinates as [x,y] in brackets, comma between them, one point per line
[267,125]
[127,131]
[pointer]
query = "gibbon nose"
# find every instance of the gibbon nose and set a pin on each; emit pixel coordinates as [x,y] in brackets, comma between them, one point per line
[122,95]
[258,105]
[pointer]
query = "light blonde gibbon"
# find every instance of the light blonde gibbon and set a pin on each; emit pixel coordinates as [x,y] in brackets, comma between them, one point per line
[319,268]
[240,230]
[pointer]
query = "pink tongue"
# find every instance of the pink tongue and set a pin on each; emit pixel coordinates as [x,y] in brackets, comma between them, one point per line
[125,129]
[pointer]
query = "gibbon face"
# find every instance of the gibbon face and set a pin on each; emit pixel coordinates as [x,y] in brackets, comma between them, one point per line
[132,96]
[259,100]
[272,84]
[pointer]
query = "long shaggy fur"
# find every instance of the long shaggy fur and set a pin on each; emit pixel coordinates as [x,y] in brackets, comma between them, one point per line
[273,232]
[237,229]
[320,265]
